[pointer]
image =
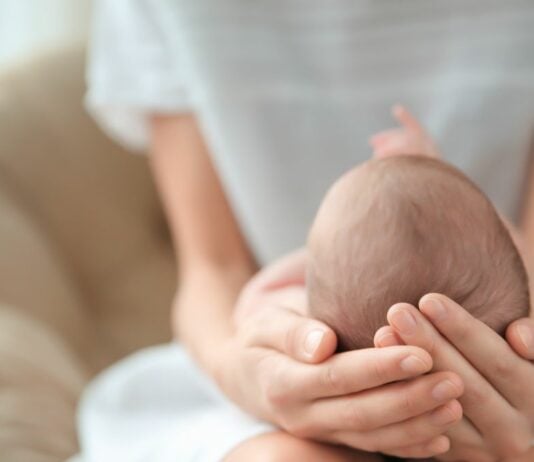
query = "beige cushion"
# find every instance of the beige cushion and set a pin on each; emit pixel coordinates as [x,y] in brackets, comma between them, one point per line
[85,259]
[40,381]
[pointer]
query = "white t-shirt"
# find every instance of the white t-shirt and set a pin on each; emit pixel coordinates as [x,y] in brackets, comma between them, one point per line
[289,91]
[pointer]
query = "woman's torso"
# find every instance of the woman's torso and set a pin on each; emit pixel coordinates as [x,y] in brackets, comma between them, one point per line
[289,91]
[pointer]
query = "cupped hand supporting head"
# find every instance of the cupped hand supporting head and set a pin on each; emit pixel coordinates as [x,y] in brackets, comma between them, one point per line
[281,366]
[498,400]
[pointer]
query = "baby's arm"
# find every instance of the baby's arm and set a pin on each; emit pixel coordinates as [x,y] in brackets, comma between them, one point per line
[410,138]
[282,447]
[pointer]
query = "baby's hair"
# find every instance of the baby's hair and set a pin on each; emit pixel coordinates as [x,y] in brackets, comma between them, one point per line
[395,229]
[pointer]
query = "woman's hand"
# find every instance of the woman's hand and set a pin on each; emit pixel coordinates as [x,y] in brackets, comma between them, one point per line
[280,366]
[498,400]
[493,374]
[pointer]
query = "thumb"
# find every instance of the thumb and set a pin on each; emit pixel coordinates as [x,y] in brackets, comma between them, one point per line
[520,336]
[303,339]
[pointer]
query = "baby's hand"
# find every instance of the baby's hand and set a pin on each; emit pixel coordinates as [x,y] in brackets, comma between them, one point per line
[410,138]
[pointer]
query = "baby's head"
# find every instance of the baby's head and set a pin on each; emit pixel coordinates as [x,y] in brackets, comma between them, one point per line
[395,229]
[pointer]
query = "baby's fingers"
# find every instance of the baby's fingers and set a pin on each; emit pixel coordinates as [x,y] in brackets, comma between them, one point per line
[415,131]
[389,143]
[408,120]
[398,144]
[378,139]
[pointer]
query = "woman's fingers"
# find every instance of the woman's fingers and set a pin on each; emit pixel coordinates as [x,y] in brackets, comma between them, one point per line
[386,336]
[390,404]
[520,336]
[417,430]
[288,332]
[434,447]
[486,350]
[355,371]
[492,415]
[466,442]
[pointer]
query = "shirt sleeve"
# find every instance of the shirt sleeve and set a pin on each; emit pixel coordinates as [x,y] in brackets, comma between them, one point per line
[131,71]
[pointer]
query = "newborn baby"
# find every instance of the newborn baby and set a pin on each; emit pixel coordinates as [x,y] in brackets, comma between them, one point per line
[392,230]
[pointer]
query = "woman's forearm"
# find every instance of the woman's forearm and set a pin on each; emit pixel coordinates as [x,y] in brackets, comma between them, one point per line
[213,259]
[203,310]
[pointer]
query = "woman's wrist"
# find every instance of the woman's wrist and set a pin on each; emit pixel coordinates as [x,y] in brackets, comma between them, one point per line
[203,312]
[219,365]
[208,345]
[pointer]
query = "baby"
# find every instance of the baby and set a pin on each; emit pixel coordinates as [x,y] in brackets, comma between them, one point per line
[394,229]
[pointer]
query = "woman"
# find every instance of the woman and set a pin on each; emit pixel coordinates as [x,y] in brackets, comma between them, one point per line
[250,110]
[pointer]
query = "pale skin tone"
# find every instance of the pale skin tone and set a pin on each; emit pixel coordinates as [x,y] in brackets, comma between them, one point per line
[496,386]
[265,361]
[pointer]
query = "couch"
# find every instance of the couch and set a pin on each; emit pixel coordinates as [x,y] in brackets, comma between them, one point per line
[87,271]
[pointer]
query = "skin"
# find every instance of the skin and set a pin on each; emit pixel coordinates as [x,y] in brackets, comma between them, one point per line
[495,377]
[283,447]
[275,362]
[496,372]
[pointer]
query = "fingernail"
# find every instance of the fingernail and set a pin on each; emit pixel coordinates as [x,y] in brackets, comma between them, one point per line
[403,321]
[312,341]
[387,340]
[525,335]
[413,365]
[443,416]
[439,445]
[434,309]
[445,390]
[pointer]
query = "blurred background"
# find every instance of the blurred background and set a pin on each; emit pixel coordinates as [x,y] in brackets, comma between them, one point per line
[31,26]
[86,268]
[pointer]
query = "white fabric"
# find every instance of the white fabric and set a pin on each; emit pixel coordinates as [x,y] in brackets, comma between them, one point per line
[157,406]
[288,91]
[130,73]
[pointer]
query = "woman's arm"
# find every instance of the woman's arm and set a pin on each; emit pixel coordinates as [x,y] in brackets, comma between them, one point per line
[214,261]
[262,362]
